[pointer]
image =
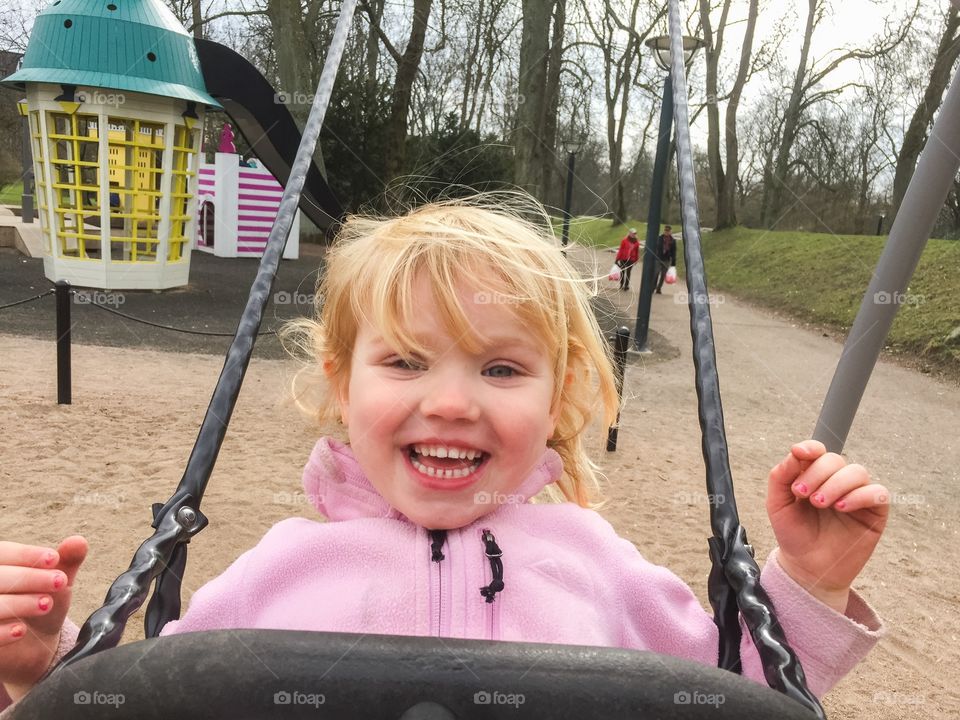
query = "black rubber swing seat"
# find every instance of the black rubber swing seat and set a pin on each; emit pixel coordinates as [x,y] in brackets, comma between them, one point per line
[273,674]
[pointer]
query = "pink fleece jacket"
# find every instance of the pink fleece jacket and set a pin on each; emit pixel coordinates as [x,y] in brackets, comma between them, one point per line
[567,577]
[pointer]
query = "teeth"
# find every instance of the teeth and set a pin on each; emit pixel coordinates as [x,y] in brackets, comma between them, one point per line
[433,472]
[444,452]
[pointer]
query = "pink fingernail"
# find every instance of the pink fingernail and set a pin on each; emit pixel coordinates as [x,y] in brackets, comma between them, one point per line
[841,504]
[819,498]
[44,603]
[50,558]
[58,581]
[17,631]
[800,488]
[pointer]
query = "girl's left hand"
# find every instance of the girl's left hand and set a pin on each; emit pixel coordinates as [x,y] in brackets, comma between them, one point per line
[828,518]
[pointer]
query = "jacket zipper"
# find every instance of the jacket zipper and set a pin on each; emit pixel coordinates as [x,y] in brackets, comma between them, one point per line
[437,539]
[494,555]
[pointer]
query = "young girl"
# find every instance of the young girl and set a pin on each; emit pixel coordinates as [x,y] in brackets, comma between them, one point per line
[459,351]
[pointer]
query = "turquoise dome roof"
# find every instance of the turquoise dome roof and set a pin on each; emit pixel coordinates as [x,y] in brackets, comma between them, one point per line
[133,45]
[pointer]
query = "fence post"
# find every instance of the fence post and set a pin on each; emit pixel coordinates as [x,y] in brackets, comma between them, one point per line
[621,341]
[63,343]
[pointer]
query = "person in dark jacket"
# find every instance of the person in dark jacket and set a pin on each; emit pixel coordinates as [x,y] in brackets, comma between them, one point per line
[627,257]
[666,255]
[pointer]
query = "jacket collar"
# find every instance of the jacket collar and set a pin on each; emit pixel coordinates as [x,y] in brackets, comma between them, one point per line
[337,487]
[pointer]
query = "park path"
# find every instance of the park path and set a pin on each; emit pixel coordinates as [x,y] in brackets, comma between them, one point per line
[774,373]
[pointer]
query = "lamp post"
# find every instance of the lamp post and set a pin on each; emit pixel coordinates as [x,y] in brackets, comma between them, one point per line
[572,147]
[661,47]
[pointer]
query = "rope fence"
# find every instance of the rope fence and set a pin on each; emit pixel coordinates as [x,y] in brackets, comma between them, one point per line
[26,300]
[63,293]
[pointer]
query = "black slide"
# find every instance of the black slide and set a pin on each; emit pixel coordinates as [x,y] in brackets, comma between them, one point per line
[267,124]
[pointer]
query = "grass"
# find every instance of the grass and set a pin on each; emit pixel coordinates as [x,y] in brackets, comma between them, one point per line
[11,194]
[598,232]
[822,279]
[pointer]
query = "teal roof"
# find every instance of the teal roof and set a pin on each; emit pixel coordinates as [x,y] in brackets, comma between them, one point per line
[133,45]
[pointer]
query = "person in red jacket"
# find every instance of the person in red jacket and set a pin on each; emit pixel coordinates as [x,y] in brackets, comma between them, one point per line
[627,257]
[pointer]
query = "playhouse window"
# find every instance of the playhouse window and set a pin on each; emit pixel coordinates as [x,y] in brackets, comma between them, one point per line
[136,171]
[40,178]
[184,151]
[74,159]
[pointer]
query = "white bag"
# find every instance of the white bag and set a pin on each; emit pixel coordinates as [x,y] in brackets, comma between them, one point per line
[614,273]
[671,277]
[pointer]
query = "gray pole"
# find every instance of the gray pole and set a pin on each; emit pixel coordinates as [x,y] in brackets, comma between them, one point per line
[912,226]
[648,278]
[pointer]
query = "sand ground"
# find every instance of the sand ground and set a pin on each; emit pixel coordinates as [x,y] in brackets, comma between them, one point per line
[95,467]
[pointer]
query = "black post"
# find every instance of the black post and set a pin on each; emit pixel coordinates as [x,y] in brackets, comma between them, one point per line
[568,200]
[621,341]
[648,278]
[63,342]
[880,225]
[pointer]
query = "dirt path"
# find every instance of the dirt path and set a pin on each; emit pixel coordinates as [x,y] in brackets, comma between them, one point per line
[95,467]
[773,376]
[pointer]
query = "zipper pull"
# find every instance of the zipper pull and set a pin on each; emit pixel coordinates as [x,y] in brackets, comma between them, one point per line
[494,554]
[437,538]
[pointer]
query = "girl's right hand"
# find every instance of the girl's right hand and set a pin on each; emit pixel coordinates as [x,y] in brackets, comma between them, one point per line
[35,588]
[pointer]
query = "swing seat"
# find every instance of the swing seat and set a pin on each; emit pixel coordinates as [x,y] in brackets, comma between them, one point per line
[288,675]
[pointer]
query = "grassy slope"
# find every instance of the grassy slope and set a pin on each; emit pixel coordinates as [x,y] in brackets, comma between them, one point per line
[822,279]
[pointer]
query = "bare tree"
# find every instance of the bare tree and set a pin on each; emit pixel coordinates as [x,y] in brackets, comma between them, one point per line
[804,94]
[619,41]
[534,135]
[724,179]
[948,49]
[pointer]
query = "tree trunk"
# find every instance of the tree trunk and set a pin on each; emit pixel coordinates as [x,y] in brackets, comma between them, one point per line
[726,201]
[916,135]
[712,52]
[791,119]
[407,68]
[551,105]
[531,95]
[373,42]
[197,19]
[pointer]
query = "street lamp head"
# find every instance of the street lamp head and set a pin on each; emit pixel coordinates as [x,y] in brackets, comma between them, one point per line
[573,145]
[661,47]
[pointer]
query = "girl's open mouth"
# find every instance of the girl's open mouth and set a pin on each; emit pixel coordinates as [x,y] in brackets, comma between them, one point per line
[445,463]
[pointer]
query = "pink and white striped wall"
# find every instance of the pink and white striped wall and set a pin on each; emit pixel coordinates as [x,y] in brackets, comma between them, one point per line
[236,207]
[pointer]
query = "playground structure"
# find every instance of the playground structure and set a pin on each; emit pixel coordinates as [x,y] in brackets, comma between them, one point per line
[115,103]
[237,206]
[115,97]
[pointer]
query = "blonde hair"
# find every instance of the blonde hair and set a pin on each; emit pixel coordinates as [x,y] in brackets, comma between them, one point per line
[370,275]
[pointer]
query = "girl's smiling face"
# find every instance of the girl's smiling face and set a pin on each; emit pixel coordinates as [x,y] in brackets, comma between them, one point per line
[489,413]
